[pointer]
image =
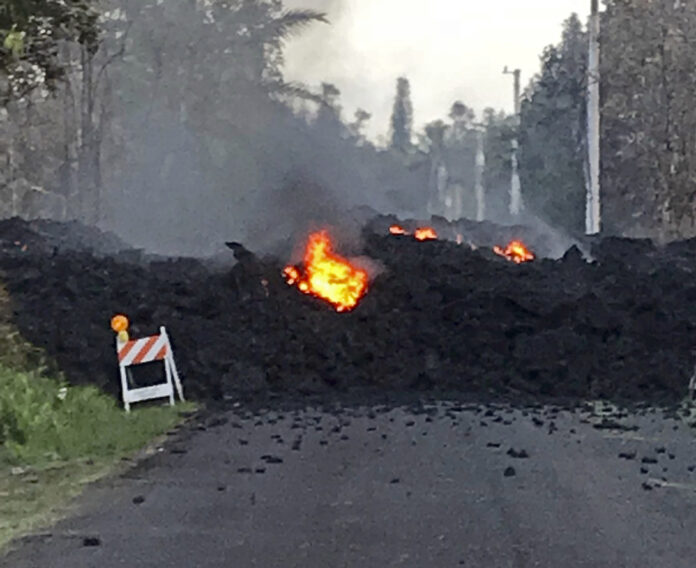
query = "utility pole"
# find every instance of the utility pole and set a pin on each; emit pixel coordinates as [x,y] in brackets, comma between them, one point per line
[515,190]
[592,206]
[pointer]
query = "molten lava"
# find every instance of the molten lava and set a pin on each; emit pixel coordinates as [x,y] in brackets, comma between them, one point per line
[327,275]
[420,234]
[425,234]
[516,252]
[397,230]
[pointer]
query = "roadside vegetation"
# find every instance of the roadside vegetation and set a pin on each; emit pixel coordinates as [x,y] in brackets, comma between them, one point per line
[54,438]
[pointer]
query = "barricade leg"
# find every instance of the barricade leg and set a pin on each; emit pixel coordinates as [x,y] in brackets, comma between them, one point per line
[169,358]
[124,388]
[177,380]
[168,373]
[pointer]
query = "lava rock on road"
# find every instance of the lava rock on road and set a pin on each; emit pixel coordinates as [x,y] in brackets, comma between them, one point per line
[439,315]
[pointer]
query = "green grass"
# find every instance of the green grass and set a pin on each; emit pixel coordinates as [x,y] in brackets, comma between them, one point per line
[54,439]
[43,420]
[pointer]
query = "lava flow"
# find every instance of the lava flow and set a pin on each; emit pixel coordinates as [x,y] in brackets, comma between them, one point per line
[397,230]
[425,234]
[515,252]
[328,276]
[420,234]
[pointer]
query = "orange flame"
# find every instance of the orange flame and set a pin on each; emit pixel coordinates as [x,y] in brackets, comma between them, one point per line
[421,234]
[397,230]
[425,234]
[516,251]
[327,275]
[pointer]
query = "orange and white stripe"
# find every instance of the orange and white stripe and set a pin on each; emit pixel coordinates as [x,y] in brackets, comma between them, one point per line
[143,350]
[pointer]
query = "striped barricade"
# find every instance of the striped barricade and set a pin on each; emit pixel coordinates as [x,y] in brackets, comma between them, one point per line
[147,350]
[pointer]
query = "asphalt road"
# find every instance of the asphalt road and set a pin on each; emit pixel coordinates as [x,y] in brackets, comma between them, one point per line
[378,487]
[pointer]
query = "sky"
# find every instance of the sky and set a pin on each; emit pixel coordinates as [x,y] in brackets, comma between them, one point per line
[449,50]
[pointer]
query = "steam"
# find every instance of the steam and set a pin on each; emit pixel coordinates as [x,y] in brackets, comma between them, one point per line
[559,240]
[373,267]
[261,175]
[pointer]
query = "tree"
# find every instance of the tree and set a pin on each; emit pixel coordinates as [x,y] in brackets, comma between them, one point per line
[329,113]
[462,116]
[460,147]
[200,92]
[180,133]
[648,150]
[552,132]
[31,32]
[402,117]
[149,56]
[499,131]
[356,128]
[435,134]
[648,117]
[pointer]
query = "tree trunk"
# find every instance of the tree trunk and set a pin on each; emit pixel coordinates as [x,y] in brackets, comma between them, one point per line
[88,176]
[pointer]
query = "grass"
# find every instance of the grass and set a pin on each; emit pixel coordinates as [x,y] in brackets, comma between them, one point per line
[42,420]
[54,438]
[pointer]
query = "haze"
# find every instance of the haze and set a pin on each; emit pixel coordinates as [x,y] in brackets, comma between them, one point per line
[449,49]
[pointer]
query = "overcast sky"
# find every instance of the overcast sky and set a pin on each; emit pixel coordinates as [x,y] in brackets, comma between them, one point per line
[449,49]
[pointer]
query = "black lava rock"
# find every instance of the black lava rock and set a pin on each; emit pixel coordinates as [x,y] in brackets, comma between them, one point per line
[463,319]
[272,459]
[521,454]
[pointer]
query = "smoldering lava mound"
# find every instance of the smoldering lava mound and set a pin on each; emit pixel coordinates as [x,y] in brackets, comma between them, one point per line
[440,316]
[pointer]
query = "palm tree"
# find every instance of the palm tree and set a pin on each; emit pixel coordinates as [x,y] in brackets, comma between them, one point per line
[255,33]
[282,27]
[435,132]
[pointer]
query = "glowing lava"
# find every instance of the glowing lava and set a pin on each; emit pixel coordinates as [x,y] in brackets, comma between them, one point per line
[516,252]
[425,234]
[397,230]
[327,275]
[420,234]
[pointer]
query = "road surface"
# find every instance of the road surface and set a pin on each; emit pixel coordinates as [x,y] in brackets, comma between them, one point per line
[446,485]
